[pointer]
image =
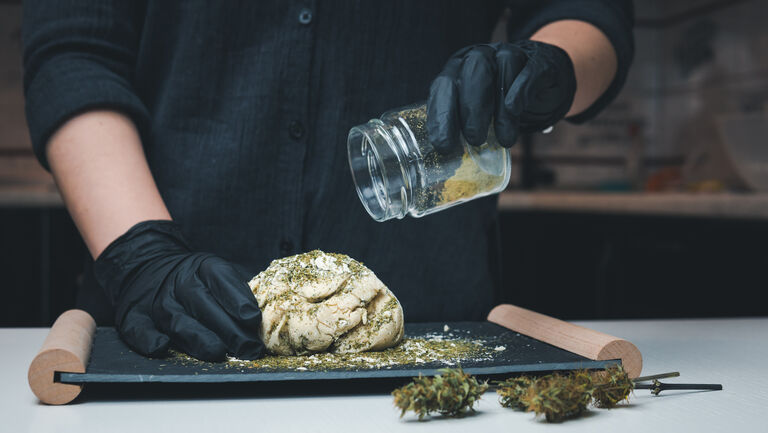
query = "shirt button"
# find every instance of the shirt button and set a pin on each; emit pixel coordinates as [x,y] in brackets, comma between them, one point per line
[295,129]
[305,16]
[286,248]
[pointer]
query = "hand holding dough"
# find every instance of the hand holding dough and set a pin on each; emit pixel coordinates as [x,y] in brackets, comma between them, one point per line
[316,301]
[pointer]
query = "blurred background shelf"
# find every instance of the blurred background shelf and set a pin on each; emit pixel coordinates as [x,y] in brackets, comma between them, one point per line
[709,205]
[29,196]
[753,206]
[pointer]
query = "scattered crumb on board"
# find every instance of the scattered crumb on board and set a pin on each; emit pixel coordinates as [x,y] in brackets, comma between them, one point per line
[447,350]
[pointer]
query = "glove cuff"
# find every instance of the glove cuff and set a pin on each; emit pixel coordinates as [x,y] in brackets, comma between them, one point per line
[564,75]
[125,256]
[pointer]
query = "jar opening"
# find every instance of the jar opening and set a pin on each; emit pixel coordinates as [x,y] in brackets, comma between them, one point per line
[374,165]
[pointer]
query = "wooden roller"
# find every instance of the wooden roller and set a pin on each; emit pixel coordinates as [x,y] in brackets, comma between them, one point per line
[66,349]
[573,338]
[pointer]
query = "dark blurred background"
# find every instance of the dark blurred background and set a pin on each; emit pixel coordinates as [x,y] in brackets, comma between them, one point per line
[658,208]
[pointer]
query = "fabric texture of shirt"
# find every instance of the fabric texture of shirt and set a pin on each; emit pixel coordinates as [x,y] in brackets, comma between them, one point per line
[244,109]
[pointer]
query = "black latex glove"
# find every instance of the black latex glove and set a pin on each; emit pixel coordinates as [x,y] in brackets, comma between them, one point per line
[164,294]
[525,86]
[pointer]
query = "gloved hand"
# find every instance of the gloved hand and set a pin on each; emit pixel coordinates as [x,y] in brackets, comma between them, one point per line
[164,294]
[525,86]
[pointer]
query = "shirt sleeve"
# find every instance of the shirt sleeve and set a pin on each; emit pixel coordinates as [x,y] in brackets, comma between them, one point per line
[79,55]
[615,18]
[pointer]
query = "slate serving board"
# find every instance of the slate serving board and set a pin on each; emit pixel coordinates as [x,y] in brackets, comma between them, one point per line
[111,361]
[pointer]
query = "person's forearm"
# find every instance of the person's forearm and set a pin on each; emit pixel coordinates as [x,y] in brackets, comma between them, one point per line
[101,171]
[593,56]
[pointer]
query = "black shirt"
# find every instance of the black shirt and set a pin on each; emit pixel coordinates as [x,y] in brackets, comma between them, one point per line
[244,109]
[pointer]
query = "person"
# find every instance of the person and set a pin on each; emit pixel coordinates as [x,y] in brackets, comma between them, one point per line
[193,142]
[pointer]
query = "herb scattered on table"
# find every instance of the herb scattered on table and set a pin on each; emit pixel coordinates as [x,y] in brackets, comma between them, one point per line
[431,348]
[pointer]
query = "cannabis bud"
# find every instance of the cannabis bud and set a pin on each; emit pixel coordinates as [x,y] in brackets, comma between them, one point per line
[452,393]
[612,386]
[512,390]
[562,396]
[559,397]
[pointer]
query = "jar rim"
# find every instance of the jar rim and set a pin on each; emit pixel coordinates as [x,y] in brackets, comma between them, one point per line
[369,147]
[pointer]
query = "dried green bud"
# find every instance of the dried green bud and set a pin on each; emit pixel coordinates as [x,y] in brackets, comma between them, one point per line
[511,390]
[559,397]
[452,393]
[612,386]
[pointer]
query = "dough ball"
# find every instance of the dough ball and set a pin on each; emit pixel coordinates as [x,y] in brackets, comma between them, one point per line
[318,301]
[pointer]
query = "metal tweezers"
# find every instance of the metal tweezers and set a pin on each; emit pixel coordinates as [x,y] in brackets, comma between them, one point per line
[656,387]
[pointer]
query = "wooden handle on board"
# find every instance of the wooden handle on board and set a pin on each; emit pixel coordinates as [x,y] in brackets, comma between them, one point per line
[66,349]
[573,338]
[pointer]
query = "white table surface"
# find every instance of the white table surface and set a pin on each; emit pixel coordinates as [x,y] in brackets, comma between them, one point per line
[733,352]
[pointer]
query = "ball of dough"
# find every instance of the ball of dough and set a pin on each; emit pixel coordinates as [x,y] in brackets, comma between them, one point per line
[318,301]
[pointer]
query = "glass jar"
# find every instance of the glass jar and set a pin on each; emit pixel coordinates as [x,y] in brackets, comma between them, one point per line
[397,171]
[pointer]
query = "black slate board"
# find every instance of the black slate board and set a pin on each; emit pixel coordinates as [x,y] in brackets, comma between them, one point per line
[113,362]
